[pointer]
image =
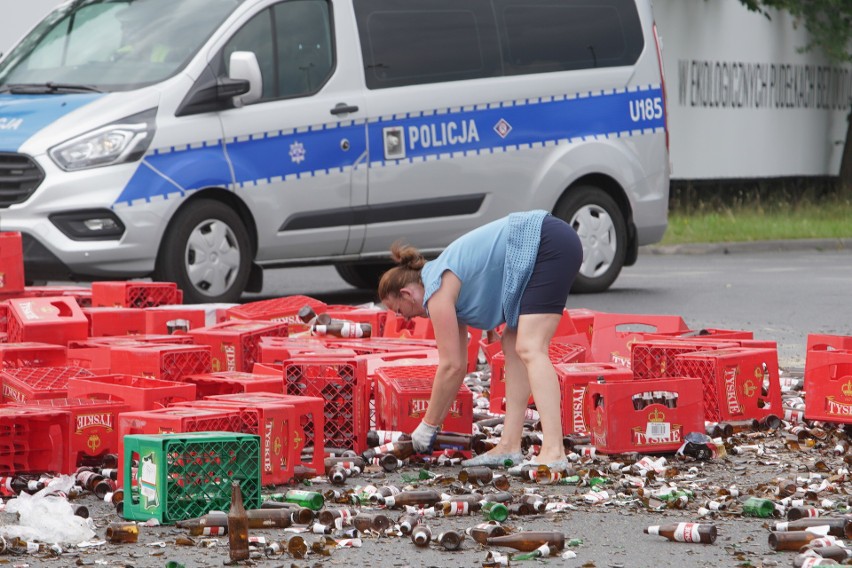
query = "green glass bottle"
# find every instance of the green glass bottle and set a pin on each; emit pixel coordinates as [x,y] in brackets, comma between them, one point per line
[495,511]
[757,507]
[310,499]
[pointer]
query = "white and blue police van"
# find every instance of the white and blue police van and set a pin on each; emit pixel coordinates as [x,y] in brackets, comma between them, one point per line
[201,141]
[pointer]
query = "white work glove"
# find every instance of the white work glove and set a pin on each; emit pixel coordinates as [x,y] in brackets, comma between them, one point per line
[423,437]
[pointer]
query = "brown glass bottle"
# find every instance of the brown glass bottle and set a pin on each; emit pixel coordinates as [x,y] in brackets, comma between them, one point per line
[336,517]
[381,437]
[685,532]
[482,532]
[238,525]
[480,475]
[364,521]
[528,541]
[421,497]
[839,527]
[269,518]
[122,532]
[407,523]
[833,552]
[401,449]
[450,540]
[452,441]
[421,535]
[535,502]
[349,462]
[804,512]
[346,329]
[790,540]
[197,525]
[88,479]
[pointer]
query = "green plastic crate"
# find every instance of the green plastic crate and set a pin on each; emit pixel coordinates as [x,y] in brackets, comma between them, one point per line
[185,475]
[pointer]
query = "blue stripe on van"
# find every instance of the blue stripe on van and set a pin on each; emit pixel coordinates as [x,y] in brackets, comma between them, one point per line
[21,116]
[524,123]
[176,172]
[272,156]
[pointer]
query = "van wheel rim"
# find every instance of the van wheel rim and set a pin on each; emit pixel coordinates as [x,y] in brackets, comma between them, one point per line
[597,233]
[212,257]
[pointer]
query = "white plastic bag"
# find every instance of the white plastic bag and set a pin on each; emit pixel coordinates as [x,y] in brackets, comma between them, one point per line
[47,516]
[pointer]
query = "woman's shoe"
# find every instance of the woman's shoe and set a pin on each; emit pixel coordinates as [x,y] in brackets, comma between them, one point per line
[494,460]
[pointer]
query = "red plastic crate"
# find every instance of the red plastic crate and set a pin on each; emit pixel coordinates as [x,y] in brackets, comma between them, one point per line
[823,342]
[284,309]
[561,351]
[828,384]
[614,334]
[139,393]
[235,382]
[176,419]
[56,320]
[31,354]
[276,350]
[379,344]
[115,321]
[92,426]
[346,399]
[583,320]
[234,344]
[654,359]
[37,383]
[308,420]
[740,383]
[618,427]
[574,379]
[135,294]
[414,328]
[369,364]
[706,334]
[11,263]
[161,361]
[33,440]
[80,294]
[402,397]
[167,320]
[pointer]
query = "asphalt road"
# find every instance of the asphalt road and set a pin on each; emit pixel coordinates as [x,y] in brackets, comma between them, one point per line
[780,293]
[781,296]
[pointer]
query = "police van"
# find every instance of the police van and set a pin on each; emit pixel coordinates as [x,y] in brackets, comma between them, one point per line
[201,141]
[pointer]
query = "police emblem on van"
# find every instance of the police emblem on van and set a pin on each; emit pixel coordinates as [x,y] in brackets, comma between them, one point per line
[394,137]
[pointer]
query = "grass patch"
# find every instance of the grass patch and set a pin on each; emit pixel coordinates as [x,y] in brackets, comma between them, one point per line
[735,213]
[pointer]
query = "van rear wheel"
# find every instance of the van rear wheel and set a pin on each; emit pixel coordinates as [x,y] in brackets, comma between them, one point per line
[206,251]
[361,275]
[602,230]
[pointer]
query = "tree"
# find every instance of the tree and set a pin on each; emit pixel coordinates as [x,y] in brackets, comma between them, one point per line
[829,23]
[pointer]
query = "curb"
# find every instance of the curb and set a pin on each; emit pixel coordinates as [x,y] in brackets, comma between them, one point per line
[818,245]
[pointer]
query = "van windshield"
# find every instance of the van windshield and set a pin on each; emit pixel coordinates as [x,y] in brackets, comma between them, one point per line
[111,45]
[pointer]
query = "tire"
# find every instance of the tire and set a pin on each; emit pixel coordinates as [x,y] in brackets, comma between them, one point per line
[206,252]
[603,232]
[362,276]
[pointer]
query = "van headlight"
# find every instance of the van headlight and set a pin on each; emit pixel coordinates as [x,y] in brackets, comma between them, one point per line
[125,140]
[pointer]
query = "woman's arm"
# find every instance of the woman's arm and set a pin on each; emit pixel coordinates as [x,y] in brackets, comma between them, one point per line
[451,337]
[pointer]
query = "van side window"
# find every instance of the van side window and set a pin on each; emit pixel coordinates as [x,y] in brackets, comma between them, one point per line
[561,35]
[293,45]
[305,54]
[411,43]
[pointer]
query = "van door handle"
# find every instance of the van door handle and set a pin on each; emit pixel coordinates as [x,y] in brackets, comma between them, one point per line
[343,108]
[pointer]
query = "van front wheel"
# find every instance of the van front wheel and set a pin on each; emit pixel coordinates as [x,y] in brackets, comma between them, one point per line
[206,251]
[603,232]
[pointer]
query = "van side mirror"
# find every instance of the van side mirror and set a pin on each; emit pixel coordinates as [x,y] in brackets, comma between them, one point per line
[244,67]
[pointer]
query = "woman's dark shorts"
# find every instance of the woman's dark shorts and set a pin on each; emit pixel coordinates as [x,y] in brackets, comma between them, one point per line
[556,265]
